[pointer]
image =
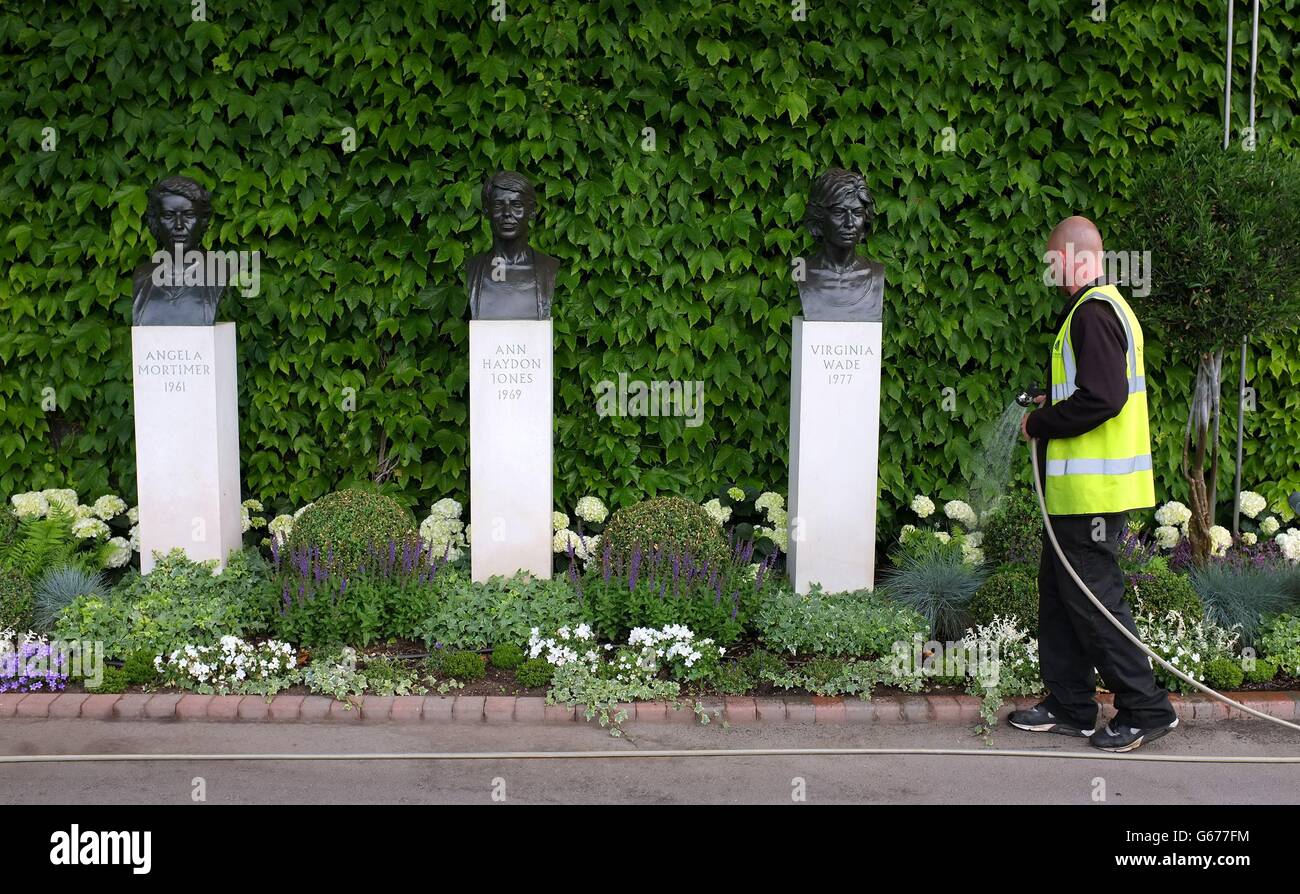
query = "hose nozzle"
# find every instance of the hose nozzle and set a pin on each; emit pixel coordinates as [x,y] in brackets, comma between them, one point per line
[1026,397]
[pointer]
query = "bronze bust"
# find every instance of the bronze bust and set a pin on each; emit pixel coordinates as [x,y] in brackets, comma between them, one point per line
[839,284]
[178,290]
[511,281]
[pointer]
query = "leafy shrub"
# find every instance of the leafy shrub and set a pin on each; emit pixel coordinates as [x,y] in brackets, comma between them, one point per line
[730,678]
[16,600]
[391,594]
[112,682]
[58,587]
[934,581]
[668,524]
[1013,532]
[828,676]
[507,656]
[1279,640]
[1010,592]
[1241,593]
[140,669]
[386,675]
[760,664]
[713,599]
[8,527]
[1157,589]
[1224,673]
[464,665]
[534,673]
[347,525]
[469,615]
[1263,671]
[853,624]
[179,602]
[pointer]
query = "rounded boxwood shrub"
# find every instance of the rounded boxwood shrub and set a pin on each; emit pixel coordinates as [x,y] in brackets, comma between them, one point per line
[507,656]
[139,668]
[1156,590]
[17,599]
[1012,590]
[347,523]
[534,673]
[1223,673]
[113,682]
[464,666]
[1264,671]
[1013,533]
[673,524]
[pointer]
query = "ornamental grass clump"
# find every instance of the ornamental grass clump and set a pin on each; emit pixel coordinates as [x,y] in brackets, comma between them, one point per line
[346,525]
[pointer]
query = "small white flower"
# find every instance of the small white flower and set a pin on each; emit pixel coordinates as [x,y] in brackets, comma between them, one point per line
[1252,504]
[1167,536]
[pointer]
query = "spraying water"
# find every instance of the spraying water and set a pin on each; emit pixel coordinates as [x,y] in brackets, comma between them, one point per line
[993,466]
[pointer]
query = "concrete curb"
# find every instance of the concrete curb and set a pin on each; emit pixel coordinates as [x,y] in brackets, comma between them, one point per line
[736,710]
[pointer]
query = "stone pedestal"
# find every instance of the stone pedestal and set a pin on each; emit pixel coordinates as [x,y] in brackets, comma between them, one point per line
[186,440]
[834,449]
[511,476]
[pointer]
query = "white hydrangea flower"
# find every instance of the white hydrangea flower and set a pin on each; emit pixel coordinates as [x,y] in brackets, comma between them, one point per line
[591,509]
[1252,504]
[780,536]
[560,542]
[281,527]
[133,515]
[109,506]
[79,512]
[446,508]
[61,496]
[1249,538]
[717,511]
[302,510]
[908,531]
[30,505]
[1220,540]
[1173,513]
[468,536]
[1269,526]
[120,554]
[960,512]
[1289,542]
[778,517]
[1167,536]
[736,493]
[89,529]
[923,506]
[769,500]
[559,521]
[971,555]
[254,506]
[134,535]
[943,536]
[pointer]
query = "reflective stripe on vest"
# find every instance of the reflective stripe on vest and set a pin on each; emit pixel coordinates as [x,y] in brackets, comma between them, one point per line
[1109,468]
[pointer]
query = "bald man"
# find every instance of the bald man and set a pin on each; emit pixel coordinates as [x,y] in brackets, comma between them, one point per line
[1094,457]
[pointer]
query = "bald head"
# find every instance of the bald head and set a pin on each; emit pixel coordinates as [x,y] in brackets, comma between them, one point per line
[1073,254]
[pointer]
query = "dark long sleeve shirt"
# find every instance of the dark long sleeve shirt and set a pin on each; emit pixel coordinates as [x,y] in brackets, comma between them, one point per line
[1101,360]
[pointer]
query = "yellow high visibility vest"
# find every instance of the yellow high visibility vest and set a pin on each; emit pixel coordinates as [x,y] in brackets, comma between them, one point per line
[1109,468]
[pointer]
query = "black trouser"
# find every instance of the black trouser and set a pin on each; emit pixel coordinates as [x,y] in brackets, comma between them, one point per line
[1074,638]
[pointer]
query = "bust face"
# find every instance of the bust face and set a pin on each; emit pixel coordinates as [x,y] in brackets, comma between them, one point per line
[509,215]
[846,222]
[178,222]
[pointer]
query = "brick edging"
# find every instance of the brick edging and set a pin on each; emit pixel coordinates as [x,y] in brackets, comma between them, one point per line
[737,711]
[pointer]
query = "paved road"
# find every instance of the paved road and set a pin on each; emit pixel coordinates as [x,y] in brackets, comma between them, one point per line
[727,780]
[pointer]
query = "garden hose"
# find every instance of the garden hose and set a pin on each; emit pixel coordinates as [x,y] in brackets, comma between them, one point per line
[1047,523]
[1091,755]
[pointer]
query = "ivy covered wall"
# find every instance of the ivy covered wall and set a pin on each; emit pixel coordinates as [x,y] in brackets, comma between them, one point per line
[672,145]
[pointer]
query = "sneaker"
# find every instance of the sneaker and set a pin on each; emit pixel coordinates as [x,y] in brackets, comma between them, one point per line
[1128,738]
[1040,720]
